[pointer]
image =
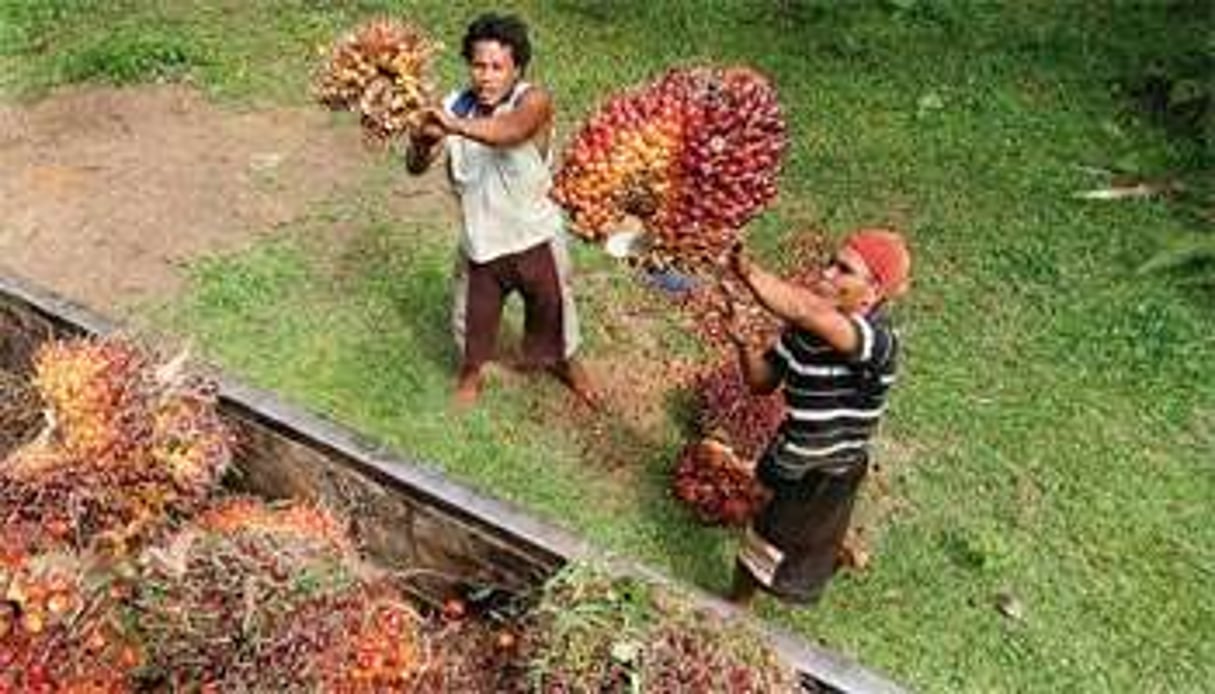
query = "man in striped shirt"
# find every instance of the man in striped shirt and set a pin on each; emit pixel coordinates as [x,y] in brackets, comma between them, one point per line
[836,362]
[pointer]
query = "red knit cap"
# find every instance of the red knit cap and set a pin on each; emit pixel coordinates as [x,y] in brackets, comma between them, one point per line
[885,253]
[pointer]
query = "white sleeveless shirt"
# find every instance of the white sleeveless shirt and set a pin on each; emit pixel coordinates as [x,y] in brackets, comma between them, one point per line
[503,191]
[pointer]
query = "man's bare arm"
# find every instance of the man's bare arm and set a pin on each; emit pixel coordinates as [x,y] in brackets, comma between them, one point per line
[757,373]
[799,305]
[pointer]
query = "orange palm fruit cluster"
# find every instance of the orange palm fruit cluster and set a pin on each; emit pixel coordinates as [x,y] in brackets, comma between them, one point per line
[243,514]
[715,476]
[711,316]
[61,628]
[212,596]
[379,648]
[381,71]
[694,155]
[246,596]
[95,391]
[126,445]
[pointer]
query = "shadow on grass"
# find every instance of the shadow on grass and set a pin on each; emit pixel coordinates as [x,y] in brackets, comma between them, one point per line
[410,279]
[640,464]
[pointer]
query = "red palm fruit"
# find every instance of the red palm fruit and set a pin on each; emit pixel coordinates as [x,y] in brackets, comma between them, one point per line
[711,143]
[716,485]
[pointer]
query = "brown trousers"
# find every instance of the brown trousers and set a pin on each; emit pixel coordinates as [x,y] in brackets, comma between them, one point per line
[806,521]
[539,275]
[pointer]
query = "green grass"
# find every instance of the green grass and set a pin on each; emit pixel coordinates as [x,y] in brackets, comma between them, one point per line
[1053,432]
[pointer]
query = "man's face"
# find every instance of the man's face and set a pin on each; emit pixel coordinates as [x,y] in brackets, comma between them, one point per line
[493,71]
[847,279]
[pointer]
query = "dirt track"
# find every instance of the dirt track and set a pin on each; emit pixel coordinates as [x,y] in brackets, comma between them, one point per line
[104,192]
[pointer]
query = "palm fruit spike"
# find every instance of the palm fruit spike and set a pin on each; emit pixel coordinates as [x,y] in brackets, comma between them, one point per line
[359,637]
[95,391]
[377,647]
[710,318]
[249,514]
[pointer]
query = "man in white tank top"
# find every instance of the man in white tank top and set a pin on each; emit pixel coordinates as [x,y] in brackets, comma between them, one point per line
[496,134]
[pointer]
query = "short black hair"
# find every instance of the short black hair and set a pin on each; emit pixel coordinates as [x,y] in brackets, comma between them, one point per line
[507,29]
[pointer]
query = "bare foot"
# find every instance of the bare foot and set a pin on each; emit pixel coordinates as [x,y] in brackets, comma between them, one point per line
[468,389]
[573,374]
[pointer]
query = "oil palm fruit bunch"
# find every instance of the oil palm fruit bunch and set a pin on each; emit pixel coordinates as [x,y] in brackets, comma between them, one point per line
[710,316]
[728,411]
[694,155]
[357,637]
[243,514]
[486,653]
[97,393]
[719,487]
[259,597]
[711,310]
[695,652]
[366,638]
[593,632]
[61,627]
[381,71]
[214,593]
[126,444]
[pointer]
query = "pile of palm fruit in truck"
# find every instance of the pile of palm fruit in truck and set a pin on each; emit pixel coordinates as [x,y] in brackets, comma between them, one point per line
[129,561]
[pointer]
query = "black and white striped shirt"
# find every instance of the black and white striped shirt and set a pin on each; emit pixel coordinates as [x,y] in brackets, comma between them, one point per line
[834,400]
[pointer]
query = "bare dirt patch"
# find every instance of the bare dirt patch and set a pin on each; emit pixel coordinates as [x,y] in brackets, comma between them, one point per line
[105,192]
